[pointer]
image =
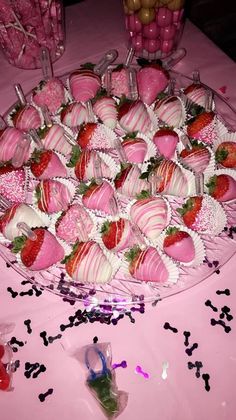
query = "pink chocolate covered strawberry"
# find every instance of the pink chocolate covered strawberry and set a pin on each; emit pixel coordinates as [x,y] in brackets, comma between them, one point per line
[170,110]
[133,116]
[128,181]
[74,114]
[152,79]
[49,93]
[222,187]
[10,138]
[166,141]
[52,196]
[54,138]
[118,235]
[147,265]
[13,183]
[88,164]
[135,148]
[74,224]
[99,197]
[84,84]
[197,158]
[88,264]
[39,253]
[26,117]
[105,109]
[120,81]
[179,245]
[45,164]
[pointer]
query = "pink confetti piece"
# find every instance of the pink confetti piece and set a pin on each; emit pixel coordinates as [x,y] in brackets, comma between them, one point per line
[139,370]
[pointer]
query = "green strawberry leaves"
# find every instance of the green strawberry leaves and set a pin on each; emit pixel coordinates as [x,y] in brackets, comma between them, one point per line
[76,152]
[18,244]
[132,253]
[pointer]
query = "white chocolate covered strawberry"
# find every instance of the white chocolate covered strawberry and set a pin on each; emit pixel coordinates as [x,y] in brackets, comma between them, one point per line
[74,114]
[54,138]
[128,181]
[105,109]
[171,111]
[26,117]
[133,116]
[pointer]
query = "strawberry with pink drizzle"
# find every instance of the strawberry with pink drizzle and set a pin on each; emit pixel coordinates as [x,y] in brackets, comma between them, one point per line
[39,253]
[50,93]
[52,196]
[88,264]
[166,141]
[118,235]
[88,164]
[196,93]
[13,183]
[150,214]
[135,148]
[105,109]
[170,110]
[74,114]
[9,140]
[133,116]
[128,181]
[84,84]
[100,197]
[179,245]
[16,214]
[25,117]
[74,224]
[46,164]
[54,138]
[147,265]
[152,79]
[197,158]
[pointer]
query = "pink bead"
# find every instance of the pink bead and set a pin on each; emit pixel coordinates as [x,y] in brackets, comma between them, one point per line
[177,15]
[168,32]
[167,46]
[151,30]
[164,17]
[134,23]
[137,42]
[151,45]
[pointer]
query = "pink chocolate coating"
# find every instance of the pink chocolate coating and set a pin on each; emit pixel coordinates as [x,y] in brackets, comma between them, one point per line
[54,168]
[72,222]
[166,144]
[8,144]
[55,140]
[77,114]
[50,253]
[183,250]
[28,118]
[151,267]
[231,192]
[101,199]
[135,150]
[84,85]
[52,95]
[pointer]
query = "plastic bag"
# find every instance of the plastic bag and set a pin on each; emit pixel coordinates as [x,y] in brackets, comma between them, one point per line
[6,359]
[97,359]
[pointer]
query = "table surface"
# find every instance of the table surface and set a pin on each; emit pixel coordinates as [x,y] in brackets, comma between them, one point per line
[181,396]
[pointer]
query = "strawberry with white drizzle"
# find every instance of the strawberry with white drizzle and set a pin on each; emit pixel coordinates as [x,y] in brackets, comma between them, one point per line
[73,224]
[74,114]
[50,93]
[88,264]
[53,138]
[166,140]
[88,164]
[151,79]
[10,137]
[46,164]
[133,116]
[118,235]
[197,158]
[84,84]
[179,245]
[25,117]
[196,93]
[105,109]
[16,214]
[171,111]
[39,253]
[170,178]
[100,197]
[147,265]
[135,148]
[128,181]
[13,183]
[52,196]
[150,214]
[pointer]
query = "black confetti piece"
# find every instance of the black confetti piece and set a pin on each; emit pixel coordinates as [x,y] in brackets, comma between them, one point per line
[13,293]
[27,323]
[186,335]
[42,397]
[223,292]
[95,339]
[41,369]
[198,366]
[29,368]
[43,335]
[222,323]
[167,326]
[206,378]
[13,341]
[225,312]
[51,339]
[191,349]
[209,304]
[29,292]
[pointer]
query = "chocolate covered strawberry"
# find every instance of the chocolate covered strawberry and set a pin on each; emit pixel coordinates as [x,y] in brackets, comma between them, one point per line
[190,211]
[117,235]
[135,148]
[74,114]
[196,93]
[170,110]
[222,187]
[151,79]
[88,164]
[54,138]
[179,245]
[88,264]
[50,93]
[147,265]
[45,164]
[197,158]
[100,197]
[166,141]
[202,127]
[13,183]
[226,154]
[94,136]
[133,116]
[120,81]
[128,181]
[74,224]
[10,138]
[84,84]
[52,196]
[40,252]
[25,117]
[105,109]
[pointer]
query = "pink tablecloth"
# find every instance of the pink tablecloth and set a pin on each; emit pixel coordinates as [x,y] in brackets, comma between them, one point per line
[181,396]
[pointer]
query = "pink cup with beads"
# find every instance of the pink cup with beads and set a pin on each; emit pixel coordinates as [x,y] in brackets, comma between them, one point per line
[28,25]
[154,27]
